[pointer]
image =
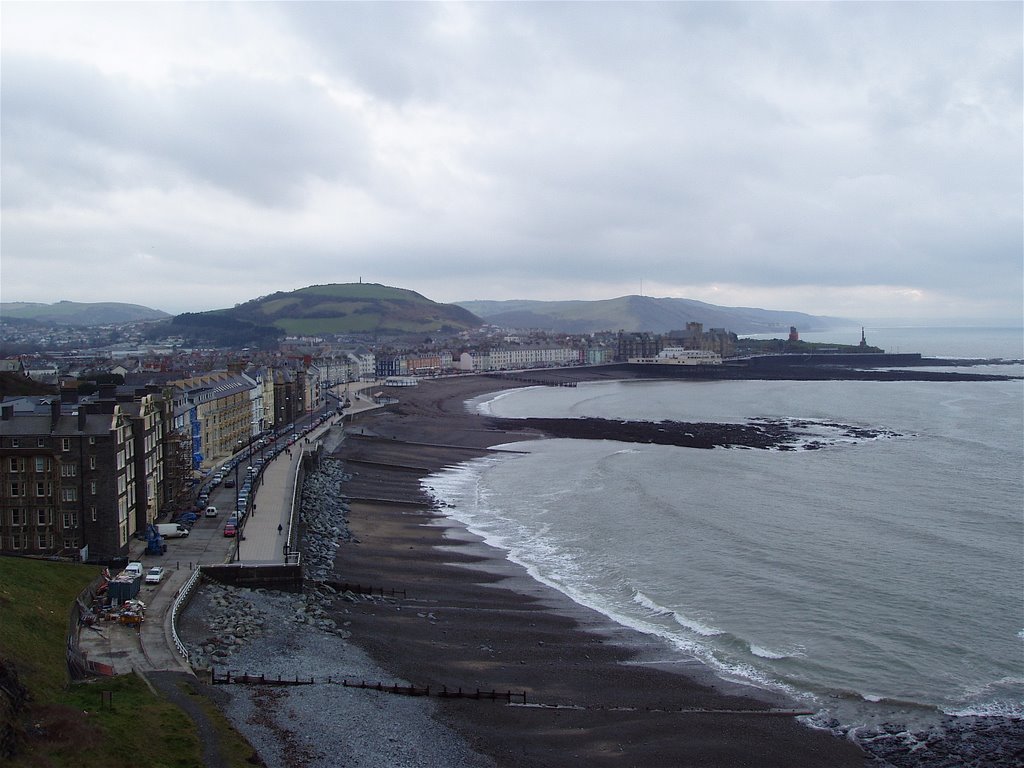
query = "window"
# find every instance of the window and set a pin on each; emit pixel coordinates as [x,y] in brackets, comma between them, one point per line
[92,488]
[65,444]
[15,443]
[68,494]
[44,490]
[40,463]
[92,462]
[92,513]
[42,517]
[70,542]
[92,439]
[43,540]
[68,470]
[70,520]
[17,488]
[15,541]
[17,517]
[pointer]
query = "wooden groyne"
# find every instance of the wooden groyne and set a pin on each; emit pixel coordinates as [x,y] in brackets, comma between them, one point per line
[361,589]
[229,678]
[532,381]
[513,698]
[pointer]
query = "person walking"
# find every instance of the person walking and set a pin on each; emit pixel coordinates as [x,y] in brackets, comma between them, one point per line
[279,529]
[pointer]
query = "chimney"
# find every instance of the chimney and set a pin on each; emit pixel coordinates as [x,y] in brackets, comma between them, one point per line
[69,391]
[82,417]
[54,412]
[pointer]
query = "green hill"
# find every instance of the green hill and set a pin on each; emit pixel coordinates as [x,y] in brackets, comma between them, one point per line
[345,308]
[641,313]
[78,313]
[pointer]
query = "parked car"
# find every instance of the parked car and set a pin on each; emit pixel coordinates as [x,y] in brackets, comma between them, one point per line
[229,529]
[155,575]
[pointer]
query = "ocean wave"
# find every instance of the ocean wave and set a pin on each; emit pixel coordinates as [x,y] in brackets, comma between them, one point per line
[767,653]
[684,621]
[999,698]
[484,404]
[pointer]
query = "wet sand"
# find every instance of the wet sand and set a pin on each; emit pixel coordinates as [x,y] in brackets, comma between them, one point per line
[467,618]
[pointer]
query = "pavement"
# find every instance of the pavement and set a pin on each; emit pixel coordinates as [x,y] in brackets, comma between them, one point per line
[150,647]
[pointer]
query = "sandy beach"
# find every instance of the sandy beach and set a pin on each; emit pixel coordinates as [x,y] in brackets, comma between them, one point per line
[467,618]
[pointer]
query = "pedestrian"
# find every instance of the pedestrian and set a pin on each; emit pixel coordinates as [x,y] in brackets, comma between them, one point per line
[279,529]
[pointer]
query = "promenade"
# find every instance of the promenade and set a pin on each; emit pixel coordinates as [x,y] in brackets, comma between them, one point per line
[151,647]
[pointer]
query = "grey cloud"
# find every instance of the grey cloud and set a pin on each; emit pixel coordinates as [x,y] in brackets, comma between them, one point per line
[258,140]
[766,144]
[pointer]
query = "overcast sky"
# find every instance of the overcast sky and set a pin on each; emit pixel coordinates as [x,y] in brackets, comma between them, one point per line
[862,160]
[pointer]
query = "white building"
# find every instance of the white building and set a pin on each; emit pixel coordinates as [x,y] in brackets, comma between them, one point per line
[680,356]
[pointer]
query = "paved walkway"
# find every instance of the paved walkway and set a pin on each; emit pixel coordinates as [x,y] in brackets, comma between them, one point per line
[151,647]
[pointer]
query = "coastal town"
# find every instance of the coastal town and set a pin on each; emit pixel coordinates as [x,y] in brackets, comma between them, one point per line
[202,481]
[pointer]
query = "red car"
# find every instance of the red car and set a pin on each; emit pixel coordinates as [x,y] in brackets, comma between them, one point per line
[229,529]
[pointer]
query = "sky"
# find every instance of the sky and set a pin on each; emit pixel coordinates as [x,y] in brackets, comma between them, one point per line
[854,159]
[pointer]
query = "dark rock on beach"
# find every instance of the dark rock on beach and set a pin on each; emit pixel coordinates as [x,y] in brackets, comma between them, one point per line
[764,433]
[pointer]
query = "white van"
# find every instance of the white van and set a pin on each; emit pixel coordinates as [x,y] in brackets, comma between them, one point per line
[134,568]
[172,530]
[211,512]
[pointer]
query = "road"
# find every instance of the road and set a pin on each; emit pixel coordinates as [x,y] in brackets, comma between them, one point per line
[151,646]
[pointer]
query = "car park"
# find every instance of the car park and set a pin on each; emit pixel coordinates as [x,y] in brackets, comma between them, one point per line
[155,575]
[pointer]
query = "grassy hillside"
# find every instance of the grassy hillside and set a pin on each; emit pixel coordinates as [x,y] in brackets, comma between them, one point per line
[639,313]
[67,724]
[348,308]
[79,313]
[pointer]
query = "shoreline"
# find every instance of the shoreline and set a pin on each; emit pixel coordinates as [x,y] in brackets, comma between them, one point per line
[474,619]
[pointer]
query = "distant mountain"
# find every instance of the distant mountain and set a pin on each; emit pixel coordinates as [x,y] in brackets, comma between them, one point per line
[78,313]
[642,313]
[339,308]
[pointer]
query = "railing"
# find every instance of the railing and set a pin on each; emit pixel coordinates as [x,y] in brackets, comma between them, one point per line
[180,601]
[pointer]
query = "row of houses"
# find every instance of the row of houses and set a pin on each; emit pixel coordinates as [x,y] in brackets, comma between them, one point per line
[81,475]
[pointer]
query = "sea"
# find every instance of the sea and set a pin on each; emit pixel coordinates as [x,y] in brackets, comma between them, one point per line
[877,577]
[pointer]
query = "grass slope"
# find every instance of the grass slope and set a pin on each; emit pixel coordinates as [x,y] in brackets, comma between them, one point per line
[68,724]
[353,308]
[640,313]
[80,313]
